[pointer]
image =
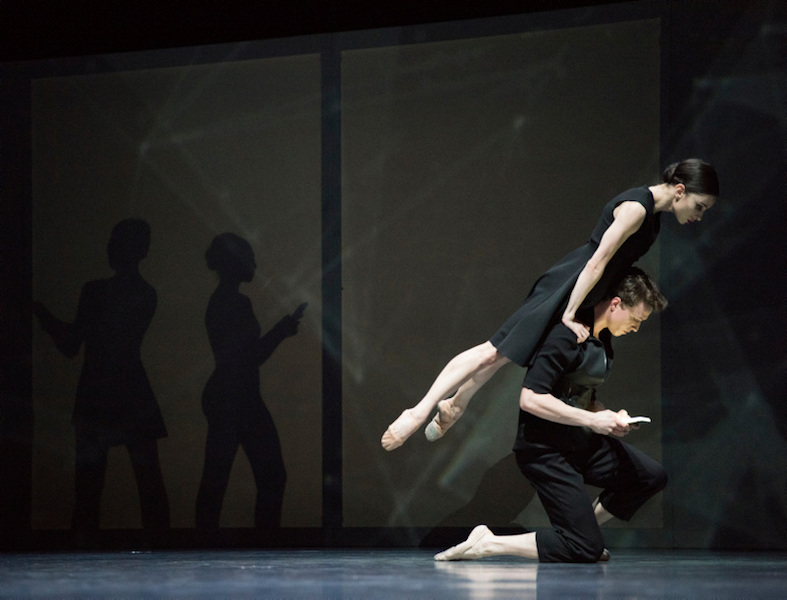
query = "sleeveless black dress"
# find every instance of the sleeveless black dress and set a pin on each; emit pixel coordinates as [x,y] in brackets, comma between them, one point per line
[522,334]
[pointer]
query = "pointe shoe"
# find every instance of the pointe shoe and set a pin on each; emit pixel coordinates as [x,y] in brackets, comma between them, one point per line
[392,440]
[442,422]
[464,551]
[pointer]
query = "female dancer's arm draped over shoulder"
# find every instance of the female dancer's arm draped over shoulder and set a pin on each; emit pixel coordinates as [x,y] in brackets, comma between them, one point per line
[629,216]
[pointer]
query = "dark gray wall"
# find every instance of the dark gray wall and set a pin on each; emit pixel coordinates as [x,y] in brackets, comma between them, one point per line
[724,365]
[460,151]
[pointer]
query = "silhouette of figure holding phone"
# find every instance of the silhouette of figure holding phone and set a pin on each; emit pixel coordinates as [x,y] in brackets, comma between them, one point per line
[115,404]
[231,399]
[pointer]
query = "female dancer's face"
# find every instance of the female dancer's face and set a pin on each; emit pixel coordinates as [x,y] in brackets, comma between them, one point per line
[689,208]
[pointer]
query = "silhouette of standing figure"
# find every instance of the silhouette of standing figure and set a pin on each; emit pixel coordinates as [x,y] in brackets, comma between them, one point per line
[231,400]
[115,404]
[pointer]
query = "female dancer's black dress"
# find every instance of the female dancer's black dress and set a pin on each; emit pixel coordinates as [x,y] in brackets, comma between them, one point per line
[521,335]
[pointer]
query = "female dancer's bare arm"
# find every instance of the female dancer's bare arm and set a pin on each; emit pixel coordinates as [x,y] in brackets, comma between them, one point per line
[629,216]
[461,369]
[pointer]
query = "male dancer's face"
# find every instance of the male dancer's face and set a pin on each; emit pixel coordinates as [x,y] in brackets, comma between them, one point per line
[624,319]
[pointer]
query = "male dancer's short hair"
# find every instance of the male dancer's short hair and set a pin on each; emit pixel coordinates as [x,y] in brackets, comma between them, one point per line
[636,286]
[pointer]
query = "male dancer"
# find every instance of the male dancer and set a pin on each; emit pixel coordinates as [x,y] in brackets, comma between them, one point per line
[566,438]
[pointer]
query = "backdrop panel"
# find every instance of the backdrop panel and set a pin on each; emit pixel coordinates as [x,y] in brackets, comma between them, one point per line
[469,167]
[194,150]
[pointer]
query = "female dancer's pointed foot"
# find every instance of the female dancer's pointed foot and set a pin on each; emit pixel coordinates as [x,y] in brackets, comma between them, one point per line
[466,550]
[401,429]
[447,415]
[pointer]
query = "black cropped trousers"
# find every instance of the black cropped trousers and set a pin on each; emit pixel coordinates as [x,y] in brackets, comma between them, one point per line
[559,462]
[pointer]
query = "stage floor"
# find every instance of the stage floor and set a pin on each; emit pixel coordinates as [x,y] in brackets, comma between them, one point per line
[384,573]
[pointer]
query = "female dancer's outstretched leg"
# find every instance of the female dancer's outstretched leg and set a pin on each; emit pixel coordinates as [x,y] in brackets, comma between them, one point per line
[457,372]
[450,410]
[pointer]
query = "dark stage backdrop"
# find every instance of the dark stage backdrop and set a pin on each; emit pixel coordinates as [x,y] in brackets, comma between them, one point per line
[471,155]
[195,150]
[724,357]
[469,166]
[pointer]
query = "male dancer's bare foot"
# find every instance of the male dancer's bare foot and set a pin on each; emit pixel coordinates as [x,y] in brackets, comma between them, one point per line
[469,549]
[401,429]
[447,415]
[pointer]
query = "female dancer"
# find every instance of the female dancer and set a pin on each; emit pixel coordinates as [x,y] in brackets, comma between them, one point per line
[628,227]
